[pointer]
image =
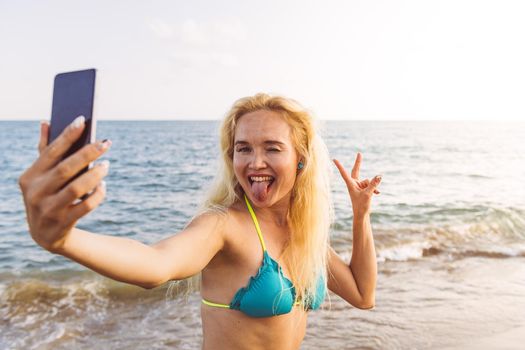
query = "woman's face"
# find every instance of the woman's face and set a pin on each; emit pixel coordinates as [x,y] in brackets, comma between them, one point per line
[264,159]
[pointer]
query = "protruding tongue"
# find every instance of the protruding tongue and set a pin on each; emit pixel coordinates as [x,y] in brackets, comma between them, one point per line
[260,190]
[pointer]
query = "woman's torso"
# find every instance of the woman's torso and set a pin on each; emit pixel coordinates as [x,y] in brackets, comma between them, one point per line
[230,270]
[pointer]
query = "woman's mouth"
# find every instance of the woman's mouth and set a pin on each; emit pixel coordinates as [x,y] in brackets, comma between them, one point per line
[260,186]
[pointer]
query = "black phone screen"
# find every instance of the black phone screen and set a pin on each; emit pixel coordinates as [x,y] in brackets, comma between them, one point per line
[73,96]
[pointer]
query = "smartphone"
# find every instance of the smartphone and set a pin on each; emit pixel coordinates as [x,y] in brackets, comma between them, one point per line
[73,96]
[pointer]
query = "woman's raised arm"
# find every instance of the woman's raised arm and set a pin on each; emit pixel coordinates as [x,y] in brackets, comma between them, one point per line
[123,259]
[52,216]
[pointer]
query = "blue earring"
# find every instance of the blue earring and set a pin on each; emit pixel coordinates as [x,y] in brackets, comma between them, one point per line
[300,165]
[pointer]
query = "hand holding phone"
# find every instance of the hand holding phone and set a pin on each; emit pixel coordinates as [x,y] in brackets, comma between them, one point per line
[52,185]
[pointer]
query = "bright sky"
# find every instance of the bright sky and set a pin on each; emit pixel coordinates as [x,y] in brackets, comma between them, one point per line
[367,60]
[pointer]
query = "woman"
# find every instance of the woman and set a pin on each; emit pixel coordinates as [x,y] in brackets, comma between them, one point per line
[264,225]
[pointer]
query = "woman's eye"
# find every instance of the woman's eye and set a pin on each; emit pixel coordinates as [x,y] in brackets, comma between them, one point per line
[247,149]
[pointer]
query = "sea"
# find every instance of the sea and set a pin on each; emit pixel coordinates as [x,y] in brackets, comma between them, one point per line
[448,225]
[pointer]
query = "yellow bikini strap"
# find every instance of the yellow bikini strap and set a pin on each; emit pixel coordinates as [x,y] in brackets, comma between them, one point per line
[252,213]
[209,303]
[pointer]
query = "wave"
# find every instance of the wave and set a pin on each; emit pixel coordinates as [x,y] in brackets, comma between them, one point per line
[405,252]
[46,292]
[458,231]
[478,231]
[420,250]
[490,254]
[55,309]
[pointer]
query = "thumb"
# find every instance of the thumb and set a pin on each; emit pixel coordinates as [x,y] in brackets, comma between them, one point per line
[374,183]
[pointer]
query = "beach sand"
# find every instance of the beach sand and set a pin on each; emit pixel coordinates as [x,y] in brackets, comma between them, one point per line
[508,340]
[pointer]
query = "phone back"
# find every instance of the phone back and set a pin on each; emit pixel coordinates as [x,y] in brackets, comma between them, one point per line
[73,95]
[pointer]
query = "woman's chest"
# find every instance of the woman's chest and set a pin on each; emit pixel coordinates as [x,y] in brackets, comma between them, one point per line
[242,258]
[229,272]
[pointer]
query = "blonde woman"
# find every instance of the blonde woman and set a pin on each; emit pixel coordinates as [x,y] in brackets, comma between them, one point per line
[260,240]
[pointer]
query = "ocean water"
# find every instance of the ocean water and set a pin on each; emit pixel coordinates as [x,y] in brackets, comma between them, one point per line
[449,229]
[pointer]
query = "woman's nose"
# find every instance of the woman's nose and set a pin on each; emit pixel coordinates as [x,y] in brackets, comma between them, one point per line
[258,161]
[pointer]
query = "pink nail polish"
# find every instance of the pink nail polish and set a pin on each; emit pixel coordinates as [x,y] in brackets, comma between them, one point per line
[103,145]
[77,123]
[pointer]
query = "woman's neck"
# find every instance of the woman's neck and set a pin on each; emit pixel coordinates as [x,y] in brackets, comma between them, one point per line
[277,213]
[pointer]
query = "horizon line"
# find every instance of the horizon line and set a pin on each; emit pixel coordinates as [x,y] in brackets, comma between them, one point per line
[316,119]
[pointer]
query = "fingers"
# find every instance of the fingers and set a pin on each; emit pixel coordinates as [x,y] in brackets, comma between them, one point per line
[352,182]
[90,203]
[70,166]
[357,165]
[373,184]
[349,181]
[82,185]
[44,134]
[364,184]
[52,153]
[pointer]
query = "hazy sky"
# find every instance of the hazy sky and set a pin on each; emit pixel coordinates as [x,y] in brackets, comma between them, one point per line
[363,60]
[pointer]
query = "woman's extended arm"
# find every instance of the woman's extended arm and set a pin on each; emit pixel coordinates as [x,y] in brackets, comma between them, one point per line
[119,258]
[52,216]
[123,259]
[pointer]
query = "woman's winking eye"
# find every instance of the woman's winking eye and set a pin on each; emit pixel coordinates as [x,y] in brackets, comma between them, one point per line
[247,149]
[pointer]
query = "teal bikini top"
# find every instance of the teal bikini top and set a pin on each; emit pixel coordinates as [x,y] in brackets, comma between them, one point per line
[268,293]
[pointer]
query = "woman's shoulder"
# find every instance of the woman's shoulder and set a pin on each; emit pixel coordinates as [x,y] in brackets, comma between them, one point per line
[228,218]
[224,213]
[230,222]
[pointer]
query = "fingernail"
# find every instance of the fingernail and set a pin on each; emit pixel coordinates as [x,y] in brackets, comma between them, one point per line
[104,164]
[103,185]
[43,122]
[78,122]
[103,144]
[378,178]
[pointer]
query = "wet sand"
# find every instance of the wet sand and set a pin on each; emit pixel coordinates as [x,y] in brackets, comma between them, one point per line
[513,339]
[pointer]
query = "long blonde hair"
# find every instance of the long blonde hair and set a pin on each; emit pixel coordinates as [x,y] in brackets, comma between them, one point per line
[311,211]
